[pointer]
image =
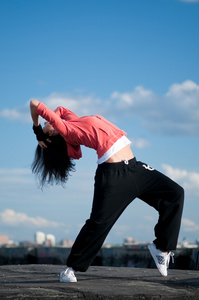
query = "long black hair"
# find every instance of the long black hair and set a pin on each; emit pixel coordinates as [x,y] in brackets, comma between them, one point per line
[52,164]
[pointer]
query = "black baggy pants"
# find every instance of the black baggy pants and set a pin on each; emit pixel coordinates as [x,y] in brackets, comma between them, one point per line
[116,186]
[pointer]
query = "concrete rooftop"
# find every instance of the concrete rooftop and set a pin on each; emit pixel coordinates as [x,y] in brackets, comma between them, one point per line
[42,282]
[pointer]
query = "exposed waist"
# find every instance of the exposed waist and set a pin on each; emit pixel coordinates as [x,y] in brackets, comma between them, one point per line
[117,165]
[115,148]
[122,155]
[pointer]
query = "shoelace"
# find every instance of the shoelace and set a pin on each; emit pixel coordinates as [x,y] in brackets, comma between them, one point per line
[170,255]
[165,259]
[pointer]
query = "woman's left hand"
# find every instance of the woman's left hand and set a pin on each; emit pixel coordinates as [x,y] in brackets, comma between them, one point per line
[42,144]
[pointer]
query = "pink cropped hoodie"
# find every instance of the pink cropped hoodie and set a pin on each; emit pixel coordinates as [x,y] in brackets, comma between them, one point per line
[91,131]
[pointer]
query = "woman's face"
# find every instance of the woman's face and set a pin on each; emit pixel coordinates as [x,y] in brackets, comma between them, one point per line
[48,128]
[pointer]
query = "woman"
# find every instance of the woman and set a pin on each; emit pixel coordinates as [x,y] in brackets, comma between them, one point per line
[119,179]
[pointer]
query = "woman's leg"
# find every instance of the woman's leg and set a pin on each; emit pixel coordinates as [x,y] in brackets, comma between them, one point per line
[116,185]
[113,192]
[167,197]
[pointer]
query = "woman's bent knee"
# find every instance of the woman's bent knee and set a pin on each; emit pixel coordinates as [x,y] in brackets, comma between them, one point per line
[180,195]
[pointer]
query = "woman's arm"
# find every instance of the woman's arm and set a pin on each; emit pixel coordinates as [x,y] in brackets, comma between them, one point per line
[35,118]
[65,113]
[39,108]
[33,108]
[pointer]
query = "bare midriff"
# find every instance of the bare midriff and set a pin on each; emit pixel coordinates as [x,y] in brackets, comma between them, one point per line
[123,154]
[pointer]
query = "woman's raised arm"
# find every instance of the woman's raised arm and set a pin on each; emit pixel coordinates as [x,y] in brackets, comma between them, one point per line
[33,108]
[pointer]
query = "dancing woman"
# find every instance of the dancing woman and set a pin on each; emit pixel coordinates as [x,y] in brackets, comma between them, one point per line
[119,179]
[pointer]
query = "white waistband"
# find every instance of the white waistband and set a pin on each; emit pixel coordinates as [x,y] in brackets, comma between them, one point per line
[118,145]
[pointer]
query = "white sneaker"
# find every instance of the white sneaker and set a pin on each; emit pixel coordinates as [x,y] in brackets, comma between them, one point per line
[161,258]
[68,275]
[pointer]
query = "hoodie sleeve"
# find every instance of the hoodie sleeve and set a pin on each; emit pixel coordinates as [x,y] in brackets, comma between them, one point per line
[53,118]
[65,113]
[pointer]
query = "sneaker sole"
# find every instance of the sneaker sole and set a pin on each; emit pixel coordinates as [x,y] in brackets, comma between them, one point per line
[68,280]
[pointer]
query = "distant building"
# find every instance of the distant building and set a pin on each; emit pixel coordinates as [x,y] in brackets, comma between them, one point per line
[130,242]
[26,244]
[40,238]
[186,244]
[67,243]
[4,239]
[50,240]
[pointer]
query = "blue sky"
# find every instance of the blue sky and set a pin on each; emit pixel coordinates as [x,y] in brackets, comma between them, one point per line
[134,62]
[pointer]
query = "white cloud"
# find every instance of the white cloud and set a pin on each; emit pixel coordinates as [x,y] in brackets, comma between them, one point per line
[17,172]
[15,175]
[179,89]
[10,114]
[189,180]
[13,218]
[175,112]
[80,104]
[140,101]
[184,100]
[149,218]
[189,226]
[140,143]
[121,229]
[17,114]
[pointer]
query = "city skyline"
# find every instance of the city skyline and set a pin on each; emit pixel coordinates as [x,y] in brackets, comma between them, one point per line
[49,240]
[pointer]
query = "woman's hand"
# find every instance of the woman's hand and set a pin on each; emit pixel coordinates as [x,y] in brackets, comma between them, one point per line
[42,144]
